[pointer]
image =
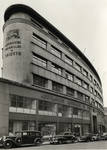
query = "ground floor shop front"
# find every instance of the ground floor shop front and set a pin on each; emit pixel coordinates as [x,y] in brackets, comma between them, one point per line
[24,107]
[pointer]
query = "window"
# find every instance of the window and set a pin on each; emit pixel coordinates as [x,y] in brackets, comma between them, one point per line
[69,76]
[55,68]
[39,41]
[78,81]
[55,51]
[78,67]
[39,60]
[68,60]
[95,82]
[40,81]
[79,95]
[87,99]
[57,87]
[91,89]
[70,92]
[91,78]
[20,101]
[75,111]
[44,105]
[86,85]
[85,73]
[95,93]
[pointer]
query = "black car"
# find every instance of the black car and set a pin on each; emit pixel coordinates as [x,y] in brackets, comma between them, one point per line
[86,138]
[66,137]
[21,138]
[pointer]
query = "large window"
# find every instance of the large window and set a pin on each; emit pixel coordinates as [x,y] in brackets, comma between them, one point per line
[57,87]
[39,60]
[47,108]
[68,60]
[64,111]
[70,92]
[39,41]
[55,51]
[80,95]
[40,81]
[69,76]
[22,104]
[78,81]
[55,68]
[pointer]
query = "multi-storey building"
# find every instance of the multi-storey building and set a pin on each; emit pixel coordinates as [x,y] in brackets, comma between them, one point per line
[48,84]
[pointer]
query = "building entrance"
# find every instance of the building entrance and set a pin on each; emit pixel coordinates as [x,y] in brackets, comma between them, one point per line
[95,124]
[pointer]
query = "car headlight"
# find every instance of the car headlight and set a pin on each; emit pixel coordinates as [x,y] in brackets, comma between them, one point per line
[0,138]
[4,137]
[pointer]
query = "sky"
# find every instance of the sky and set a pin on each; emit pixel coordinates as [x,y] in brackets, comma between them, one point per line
[84,22]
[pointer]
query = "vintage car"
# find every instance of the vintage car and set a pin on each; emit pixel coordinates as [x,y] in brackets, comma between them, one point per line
[86,138]
[21,138]
[66,137]
[103,136]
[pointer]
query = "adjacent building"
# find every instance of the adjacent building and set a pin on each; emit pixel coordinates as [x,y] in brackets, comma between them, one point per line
[48,84]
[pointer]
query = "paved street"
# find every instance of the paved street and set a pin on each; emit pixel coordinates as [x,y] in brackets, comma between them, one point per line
[91,145]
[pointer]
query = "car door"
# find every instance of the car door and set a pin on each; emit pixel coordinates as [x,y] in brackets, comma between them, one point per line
[32,136]
[25,138]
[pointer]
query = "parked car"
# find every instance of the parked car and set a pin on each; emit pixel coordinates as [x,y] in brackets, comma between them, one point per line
[63,138]
[96,137]
[21,138]
[103,136]
[86,138]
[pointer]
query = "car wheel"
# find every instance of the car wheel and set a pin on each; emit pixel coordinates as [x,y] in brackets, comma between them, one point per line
[38,142]
[8,144]
[60,141]
[18,141]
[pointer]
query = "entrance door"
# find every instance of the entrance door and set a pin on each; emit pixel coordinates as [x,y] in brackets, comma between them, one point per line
[95,124]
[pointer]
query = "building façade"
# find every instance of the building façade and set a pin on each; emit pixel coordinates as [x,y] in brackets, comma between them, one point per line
[48,84]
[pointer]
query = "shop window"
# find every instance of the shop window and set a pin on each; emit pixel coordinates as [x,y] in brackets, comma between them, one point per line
[40,81]
[39,41]
[39,60]
[57,87]
[44,105]
[22,104]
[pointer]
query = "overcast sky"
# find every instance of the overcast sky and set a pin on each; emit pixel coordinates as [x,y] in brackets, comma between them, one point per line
[84,22]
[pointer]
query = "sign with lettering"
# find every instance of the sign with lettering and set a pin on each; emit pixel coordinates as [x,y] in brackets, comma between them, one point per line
[13,43]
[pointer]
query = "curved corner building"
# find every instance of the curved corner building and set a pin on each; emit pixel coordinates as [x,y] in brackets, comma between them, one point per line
[50,85]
